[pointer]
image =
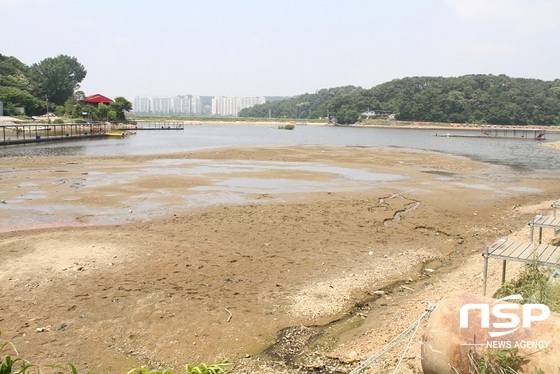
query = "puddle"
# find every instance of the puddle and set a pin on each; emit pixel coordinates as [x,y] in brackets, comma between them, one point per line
[31,195]
[477,186]
[485,187]
[223,182]
[27,184]
[524,189]
[441,173]
[259,185]
[208,167]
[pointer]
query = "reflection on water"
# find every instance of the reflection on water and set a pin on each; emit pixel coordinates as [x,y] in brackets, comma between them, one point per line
[522,155]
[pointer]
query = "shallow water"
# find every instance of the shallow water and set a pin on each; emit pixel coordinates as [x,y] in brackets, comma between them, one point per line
[225,182]
[521,155]
[241,181]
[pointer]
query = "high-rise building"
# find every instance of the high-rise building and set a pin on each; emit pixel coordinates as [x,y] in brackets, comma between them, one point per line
[161,105]
[230,106]
[187,105]
[196,105]
[142,105]
[182,105]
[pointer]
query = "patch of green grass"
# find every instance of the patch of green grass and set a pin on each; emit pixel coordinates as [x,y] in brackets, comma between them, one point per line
[503,361]
[208,369]
[286,127]
[533,284]
[11,363]
[217,368]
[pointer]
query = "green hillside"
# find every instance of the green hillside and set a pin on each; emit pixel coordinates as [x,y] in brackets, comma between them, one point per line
[488,99]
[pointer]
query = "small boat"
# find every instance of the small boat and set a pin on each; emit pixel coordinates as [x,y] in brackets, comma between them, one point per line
[117,134]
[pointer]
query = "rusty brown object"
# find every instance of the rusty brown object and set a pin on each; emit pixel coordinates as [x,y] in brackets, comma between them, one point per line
[446,344]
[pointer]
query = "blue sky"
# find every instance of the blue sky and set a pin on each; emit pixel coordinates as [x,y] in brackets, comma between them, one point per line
[284,47]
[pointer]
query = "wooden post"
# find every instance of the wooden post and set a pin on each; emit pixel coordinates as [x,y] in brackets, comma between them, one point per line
[504,272]
[532,223]
[485,271]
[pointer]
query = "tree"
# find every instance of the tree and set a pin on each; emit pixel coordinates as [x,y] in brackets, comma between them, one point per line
[13,97]
[102,112]
[14,73]
[57,78]
[347,115]
[119,106]
[73,102]
[88,111]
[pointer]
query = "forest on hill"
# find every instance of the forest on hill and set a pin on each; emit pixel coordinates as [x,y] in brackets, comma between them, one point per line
[51,85]
[484,99]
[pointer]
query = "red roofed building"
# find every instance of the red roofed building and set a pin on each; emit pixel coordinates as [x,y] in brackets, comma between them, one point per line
[98,99]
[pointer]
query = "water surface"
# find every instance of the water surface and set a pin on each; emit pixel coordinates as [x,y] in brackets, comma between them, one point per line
[521,155]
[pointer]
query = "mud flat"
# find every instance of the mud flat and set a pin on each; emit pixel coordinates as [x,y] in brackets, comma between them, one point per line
[278,259]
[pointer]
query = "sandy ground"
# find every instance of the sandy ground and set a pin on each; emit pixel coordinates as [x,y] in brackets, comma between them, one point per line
[554,145]
[268,257]
[7,119]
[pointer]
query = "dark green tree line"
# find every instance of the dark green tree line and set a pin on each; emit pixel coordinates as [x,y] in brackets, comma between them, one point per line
[54,82]
[490,99]
[16,87]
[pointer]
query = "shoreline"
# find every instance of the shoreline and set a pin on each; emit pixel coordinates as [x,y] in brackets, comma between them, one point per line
[274,259]
[368,123]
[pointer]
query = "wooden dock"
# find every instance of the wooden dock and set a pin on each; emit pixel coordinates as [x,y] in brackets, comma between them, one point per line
[519,133]
[555,206]
[527,253]
[543,222]
[11,134]
[541,254]
[153,125]
[517,251]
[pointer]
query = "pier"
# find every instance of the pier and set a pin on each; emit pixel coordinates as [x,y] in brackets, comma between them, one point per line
[40,132]
[503,133]
[531,252]
[153,125]
[513,133]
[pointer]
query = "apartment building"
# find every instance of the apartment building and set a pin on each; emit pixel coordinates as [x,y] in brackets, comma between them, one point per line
[231,105]
[182,105]
[142,105]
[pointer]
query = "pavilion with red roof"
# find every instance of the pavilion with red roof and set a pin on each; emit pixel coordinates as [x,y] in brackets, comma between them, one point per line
[98,99]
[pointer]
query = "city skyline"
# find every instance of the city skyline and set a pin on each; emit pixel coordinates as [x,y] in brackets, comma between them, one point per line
[193,105]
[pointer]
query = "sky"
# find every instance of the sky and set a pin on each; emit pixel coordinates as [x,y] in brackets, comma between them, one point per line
[164,48]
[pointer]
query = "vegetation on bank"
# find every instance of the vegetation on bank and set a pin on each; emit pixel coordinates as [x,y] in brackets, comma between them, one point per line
[536,285]
[286,127]
[11,363]
[503,361]
[51,86]
[215,119]
[481,99]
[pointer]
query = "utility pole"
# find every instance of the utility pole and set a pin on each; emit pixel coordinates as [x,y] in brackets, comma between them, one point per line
[47,103]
